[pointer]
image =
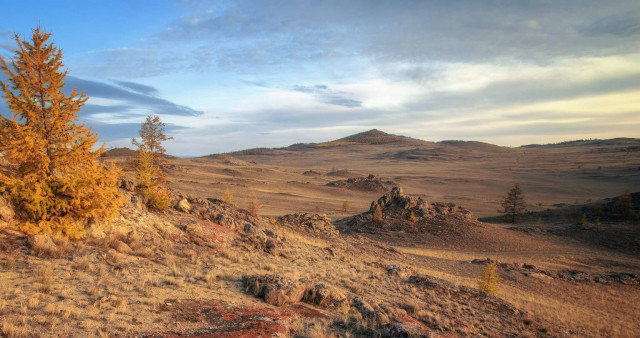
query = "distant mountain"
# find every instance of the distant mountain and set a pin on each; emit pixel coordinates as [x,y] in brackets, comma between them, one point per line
[620,141]
[375,136]
[117,152]
[447,149]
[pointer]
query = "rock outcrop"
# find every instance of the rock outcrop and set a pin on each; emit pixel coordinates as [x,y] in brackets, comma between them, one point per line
[397,211]
[369,183]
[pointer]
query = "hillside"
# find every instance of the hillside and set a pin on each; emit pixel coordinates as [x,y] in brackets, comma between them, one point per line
[209,268]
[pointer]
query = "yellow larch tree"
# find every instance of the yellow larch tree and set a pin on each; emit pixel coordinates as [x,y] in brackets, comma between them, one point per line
[54,180]
[151,180]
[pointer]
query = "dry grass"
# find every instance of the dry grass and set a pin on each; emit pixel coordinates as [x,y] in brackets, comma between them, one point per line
[44,279]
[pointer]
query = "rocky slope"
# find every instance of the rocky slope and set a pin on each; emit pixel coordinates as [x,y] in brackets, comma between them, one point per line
[208,268]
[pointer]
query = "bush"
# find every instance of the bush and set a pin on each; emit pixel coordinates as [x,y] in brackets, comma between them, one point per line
[156,198]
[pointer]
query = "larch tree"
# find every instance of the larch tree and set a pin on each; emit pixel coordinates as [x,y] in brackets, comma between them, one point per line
[54,180]
[513,204]
[151,180]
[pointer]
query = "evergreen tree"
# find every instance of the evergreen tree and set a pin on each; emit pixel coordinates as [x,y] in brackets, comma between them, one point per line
[513,204]
[54,180]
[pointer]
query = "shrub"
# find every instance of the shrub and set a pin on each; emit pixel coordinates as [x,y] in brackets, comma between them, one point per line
[346,206]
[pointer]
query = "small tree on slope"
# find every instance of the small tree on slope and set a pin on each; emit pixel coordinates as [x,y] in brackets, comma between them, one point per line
[55,181]
[513,204]
[489,279]
[149,175]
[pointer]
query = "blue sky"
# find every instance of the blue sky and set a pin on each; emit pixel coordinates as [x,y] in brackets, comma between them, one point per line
[229,75]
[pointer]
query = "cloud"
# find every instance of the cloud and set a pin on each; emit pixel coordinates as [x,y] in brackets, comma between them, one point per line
[326,95]
[623,25]
[139,88]
[131,99]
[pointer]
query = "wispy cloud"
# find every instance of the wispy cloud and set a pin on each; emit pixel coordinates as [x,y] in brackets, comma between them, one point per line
[143,98]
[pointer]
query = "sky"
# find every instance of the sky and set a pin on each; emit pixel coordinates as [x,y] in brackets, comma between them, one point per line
[231,75]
